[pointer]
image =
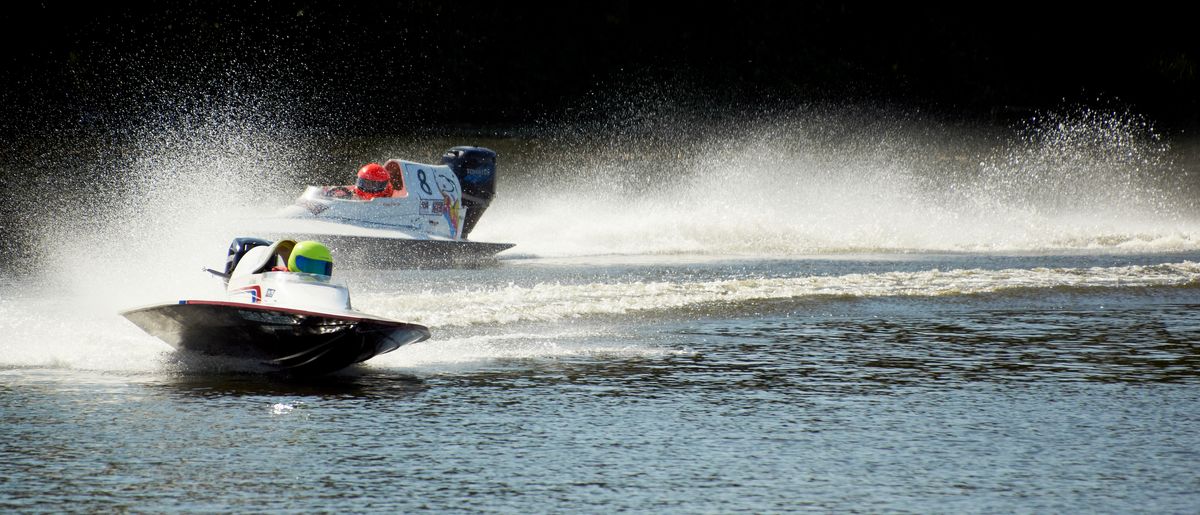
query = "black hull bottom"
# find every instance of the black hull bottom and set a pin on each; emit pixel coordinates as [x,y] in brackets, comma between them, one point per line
[286,339]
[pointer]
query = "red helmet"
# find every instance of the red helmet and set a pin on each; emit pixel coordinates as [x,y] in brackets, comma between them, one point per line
[373,181]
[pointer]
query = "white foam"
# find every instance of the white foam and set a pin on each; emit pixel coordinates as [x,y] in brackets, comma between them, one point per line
[469,351]
[82,335]
[63,334]
[549,302]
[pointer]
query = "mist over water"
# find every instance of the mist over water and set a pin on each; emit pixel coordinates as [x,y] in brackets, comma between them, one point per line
[833,183]
[648,179]
[128,219]
[161,202]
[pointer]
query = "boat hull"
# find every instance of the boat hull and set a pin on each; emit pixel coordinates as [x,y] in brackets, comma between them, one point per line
[366,252]
[286,339]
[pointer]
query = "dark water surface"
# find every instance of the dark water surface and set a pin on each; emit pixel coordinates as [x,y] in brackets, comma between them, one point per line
[851,383]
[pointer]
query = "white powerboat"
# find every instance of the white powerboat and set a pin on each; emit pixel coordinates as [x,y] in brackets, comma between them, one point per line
[425,221]
[297,322]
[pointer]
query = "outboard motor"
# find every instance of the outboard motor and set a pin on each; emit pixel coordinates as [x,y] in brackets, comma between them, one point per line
[476,171]
[238,248]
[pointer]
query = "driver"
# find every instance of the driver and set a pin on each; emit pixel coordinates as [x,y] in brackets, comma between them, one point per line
[374,181]
[310,257]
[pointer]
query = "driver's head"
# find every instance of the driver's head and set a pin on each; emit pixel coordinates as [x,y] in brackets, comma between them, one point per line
[311,257]
[373,181]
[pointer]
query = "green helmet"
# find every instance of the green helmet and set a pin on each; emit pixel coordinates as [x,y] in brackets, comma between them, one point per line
[311,257]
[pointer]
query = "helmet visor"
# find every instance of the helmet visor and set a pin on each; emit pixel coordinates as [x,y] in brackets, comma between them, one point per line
[370,186]
[313,266]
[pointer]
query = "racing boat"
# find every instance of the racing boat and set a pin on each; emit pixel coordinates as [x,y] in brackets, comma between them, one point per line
[300,322]
[424,221]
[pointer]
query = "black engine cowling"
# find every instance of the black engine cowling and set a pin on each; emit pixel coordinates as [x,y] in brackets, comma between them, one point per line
[238,248]
[476,171]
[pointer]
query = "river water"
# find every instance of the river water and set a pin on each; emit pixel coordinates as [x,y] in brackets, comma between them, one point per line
[813,329]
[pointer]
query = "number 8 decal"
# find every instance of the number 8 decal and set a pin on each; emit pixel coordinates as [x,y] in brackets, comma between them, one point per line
[424,185]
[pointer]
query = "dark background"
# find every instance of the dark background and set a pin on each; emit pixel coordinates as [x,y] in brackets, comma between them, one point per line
[385,67]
